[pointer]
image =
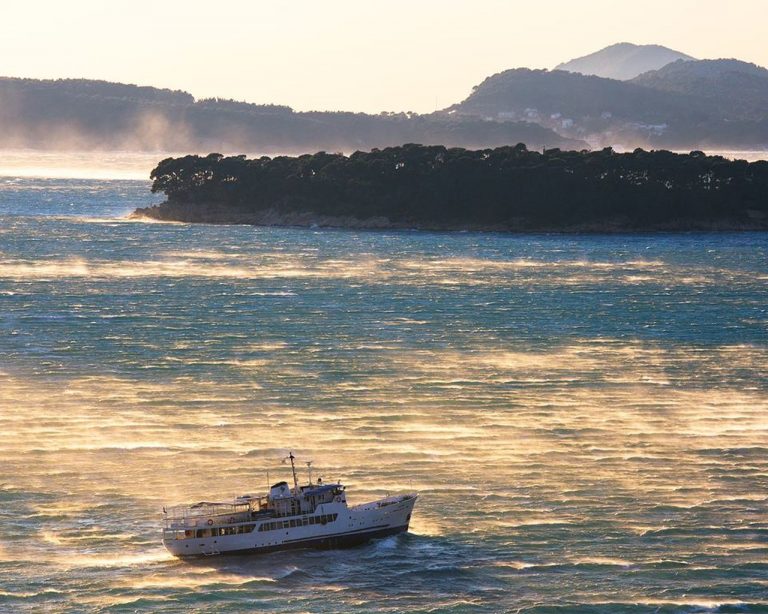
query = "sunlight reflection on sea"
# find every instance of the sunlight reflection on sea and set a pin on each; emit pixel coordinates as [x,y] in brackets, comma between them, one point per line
[586,417]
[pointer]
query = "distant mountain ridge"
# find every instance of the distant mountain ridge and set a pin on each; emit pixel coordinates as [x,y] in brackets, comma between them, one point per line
[623,61]
[523,93]
[685,105]
[688,104]
[91,88]
[86,114]
[739,89]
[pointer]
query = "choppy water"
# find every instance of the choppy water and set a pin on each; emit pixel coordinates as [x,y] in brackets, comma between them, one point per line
[586,417]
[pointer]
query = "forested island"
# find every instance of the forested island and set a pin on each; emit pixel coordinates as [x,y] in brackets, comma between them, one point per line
[433,187]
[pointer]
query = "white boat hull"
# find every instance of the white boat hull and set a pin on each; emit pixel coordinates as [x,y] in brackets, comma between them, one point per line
[333,525]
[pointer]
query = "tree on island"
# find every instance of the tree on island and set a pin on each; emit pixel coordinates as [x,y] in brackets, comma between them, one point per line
[507,188]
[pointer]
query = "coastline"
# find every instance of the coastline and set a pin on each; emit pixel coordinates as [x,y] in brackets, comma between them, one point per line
[217,214]
[510,189]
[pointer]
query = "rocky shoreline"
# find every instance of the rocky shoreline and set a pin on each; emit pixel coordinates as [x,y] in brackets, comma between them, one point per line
[222,215]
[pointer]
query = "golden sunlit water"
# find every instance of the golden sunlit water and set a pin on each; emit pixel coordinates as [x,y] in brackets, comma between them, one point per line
[585,417]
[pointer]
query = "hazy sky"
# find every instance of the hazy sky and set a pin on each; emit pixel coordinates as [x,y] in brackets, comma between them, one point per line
[352,55]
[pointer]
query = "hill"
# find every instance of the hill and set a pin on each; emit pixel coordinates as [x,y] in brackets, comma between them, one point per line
[601,111]
[623,61]
[734,89]
[686,105]
[504,189]
[84,114]
[522,93]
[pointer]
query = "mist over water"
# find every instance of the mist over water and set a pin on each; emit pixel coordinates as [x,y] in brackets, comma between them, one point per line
[586,417]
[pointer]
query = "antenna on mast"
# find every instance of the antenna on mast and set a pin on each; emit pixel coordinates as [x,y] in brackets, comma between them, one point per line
[293,470]
[309,470]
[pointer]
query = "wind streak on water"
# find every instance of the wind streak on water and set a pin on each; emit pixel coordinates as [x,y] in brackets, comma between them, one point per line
[585,417]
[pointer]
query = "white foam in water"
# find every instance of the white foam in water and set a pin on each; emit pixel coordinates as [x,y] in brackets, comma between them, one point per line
[584,417]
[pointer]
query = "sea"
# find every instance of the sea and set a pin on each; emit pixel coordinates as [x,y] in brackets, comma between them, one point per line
[585,417]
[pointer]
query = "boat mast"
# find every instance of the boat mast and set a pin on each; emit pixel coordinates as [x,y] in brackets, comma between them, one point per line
[293,469]
[309,470]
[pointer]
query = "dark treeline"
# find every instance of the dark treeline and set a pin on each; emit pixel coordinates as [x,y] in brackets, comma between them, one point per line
[509,188]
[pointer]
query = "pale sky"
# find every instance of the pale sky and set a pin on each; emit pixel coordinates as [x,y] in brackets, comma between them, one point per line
[352,55]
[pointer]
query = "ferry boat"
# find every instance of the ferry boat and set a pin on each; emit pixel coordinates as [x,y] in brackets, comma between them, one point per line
[315,515]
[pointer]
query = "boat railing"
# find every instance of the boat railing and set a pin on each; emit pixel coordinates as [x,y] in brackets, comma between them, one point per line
[207,514]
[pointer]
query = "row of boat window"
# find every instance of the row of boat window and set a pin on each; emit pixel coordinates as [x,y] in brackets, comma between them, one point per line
[298,522]
[267,526]
[214,532]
